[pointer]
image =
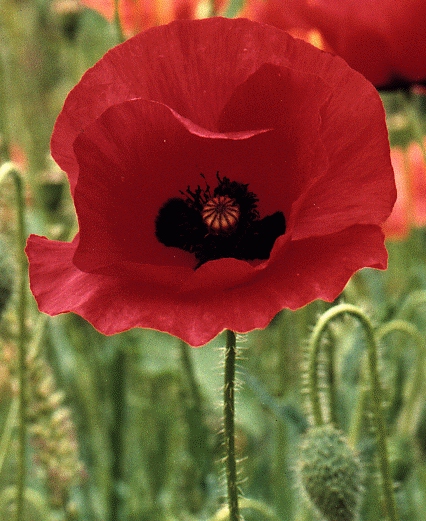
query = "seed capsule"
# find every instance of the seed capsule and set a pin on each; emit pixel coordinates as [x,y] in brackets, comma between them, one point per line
[220,214]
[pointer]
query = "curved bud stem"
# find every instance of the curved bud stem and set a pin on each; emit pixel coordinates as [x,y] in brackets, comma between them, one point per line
[407,419]
[229,425]
[6,170]
[375,391]
[412,303]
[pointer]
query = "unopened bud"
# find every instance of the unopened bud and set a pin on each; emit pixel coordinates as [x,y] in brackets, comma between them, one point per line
[330,474]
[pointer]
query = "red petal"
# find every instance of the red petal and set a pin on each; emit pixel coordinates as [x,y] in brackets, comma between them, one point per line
[142,166]
[139,154]
[182,65]
[359,186]
[315,268]
[305,131]
[385,44]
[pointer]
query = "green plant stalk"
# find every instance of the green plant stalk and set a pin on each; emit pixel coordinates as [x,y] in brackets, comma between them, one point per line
[9,169]
[409,414]
[197,440]
[331,387]
[39,506]
[229,425]
[117,431]
[281,487]
[6,436]
[412,303]
[246,503]
[190,375]
[313,384]
[376,392]
[358,414]
[313,394]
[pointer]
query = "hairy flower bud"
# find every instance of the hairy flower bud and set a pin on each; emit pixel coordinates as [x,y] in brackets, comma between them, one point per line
[330,474]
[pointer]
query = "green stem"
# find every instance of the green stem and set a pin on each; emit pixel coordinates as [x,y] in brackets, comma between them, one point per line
[197,442]
[9,169]
[37,502]
[358,415]
[411,410]
[313,391]
[190,376]
[229,425]
[412,303]
[37,338]
[8,431]
[117,432]
[376,392]
[246,503]
[331,381]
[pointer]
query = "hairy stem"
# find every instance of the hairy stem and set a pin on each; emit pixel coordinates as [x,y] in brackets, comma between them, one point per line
[8,169]
[229,426]
[375,392]
[413,398]
[118,429]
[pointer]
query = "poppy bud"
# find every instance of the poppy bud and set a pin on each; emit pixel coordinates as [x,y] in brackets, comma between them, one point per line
[330,474]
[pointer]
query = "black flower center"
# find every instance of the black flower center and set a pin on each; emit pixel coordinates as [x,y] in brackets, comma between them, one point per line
[225,223]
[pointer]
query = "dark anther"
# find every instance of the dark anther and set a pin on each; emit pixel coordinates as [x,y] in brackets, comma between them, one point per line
[225,223]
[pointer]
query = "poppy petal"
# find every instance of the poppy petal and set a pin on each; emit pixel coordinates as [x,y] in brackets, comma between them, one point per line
[292,282]
[156,119]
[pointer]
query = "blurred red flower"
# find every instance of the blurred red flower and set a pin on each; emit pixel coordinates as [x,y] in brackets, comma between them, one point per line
[221,171]
[383,40]
[138,15]
[410,207]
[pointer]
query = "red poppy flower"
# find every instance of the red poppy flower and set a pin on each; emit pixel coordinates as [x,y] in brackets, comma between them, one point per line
[221,171]
[410,207]
[138,15]
[382,40]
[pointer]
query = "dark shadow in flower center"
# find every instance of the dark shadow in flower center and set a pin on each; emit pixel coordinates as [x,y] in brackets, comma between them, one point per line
[225,223]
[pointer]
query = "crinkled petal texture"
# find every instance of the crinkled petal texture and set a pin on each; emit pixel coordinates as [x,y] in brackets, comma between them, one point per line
[306,132]
[382,39]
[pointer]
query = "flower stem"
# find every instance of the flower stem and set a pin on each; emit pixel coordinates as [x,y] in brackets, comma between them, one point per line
[375,394]
[413,403]
[190,376]
[253,504]
[197,441]
[229,425]
[6,170]
[118,429]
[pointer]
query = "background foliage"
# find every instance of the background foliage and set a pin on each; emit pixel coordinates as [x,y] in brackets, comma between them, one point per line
[129,427]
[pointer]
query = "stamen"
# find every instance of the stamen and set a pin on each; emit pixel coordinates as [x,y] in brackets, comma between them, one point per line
[219,223]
